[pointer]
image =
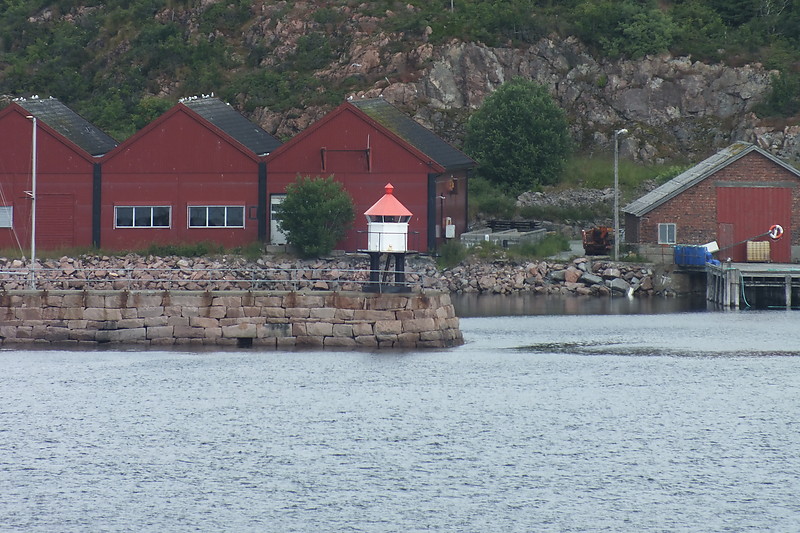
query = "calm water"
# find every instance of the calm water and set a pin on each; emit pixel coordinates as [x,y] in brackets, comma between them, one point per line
[687,421]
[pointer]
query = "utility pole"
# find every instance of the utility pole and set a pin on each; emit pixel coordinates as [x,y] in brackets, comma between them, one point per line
[616,191]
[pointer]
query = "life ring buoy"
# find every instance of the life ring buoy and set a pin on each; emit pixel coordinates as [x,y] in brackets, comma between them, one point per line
[775,232]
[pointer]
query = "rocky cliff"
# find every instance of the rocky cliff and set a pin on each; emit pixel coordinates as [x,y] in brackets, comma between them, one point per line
[673,107]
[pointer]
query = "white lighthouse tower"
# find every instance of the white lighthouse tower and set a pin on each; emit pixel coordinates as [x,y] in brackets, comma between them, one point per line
[387,233]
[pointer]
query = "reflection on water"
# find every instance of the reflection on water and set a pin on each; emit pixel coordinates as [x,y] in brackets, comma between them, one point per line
[474,305]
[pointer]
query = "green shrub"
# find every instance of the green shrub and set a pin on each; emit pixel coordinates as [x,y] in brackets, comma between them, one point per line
[224,16]
[497,206]
[315,215]
[251,251]
[488,200]
[487,250]
[782,99]
[451,254]
[573,213]
[552,244]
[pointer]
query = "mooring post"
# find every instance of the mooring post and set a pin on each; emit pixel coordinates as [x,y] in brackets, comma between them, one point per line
[726,288]
[788,290]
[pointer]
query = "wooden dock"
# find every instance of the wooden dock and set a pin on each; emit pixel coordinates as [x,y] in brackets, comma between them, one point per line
[766,285]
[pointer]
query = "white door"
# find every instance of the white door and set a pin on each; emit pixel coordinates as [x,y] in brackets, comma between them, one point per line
[276,236]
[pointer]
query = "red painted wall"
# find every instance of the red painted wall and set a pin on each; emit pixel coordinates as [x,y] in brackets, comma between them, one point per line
[345,135]
[64,185]
[179,160]
[750,212]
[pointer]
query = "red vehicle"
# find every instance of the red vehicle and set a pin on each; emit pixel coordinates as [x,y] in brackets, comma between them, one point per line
[598,241]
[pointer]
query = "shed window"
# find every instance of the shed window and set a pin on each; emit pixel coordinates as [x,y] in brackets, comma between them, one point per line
[6,216]
[666,233]
[142,216]
[213,216]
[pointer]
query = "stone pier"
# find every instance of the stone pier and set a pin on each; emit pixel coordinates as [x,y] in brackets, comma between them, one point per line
[229,318]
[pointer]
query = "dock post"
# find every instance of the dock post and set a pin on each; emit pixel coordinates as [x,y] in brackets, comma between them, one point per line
[726,288]
[788,290]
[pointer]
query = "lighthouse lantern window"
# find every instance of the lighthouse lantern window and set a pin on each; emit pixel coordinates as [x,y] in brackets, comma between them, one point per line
[387,224]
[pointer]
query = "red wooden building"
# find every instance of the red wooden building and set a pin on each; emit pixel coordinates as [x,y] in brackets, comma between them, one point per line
[202,172]
[734,196]
[366,143]
[195,174]
[68,151]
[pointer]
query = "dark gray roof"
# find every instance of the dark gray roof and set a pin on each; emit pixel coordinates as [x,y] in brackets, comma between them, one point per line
[696,174]
[233,123]
[413,133]
[69,124]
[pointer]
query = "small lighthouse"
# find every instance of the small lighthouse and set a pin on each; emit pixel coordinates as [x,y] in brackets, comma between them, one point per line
[387,233]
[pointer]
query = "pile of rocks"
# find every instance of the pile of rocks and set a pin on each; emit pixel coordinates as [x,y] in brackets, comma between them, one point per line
[567,197]
[135,272]
[581,276]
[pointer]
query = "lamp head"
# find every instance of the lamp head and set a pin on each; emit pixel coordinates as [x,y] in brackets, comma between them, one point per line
[621,132]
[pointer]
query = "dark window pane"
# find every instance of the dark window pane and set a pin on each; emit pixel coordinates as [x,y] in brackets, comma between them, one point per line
[216,216]
[142,217]
[124,217]
[161,217]
[197,217]
[236,217]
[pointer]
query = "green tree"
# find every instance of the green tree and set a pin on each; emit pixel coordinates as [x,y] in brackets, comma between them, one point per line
[519,137]
[782,99]
[648,33]
[315,215]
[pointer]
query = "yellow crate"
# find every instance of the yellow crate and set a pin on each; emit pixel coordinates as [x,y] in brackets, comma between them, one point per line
[758,251]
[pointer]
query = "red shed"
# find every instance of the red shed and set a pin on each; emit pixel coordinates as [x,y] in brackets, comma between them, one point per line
[195,174]
[67,171]
[365,143]
[733,197]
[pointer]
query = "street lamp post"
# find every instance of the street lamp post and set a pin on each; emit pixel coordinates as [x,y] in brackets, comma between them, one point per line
[616,191]
[34,157]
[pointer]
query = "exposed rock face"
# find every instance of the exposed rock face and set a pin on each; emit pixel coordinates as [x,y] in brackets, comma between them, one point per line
[672,107]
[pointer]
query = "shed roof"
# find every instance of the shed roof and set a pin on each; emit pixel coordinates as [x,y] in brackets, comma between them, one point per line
[69,124]
[408,129]
[696,174]
[388,205]
[226,118]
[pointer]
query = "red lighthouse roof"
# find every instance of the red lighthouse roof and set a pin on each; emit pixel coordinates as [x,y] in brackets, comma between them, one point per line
[388,206]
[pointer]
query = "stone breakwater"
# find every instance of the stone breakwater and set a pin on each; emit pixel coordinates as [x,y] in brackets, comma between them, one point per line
[229,318]
[580,276]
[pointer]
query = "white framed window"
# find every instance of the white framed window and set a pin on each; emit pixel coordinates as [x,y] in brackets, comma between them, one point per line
[277,236]
[666,233]
[216,216]
[142,216]
[6,216]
